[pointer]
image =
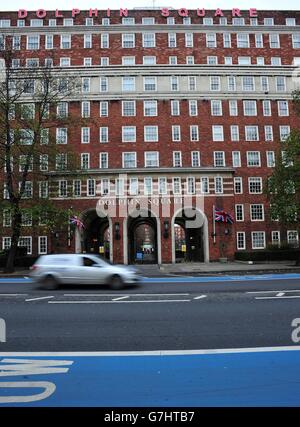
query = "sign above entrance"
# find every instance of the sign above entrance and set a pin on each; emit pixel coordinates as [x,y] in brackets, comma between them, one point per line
[124,12]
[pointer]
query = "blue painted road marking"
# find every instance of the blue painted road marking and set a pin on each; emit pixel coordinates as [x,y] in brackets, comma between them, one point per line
[254,377]
[183,279]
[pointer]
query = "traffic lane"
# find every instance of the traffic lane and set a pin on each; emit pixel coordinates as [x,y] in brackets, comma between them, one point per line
[159,286]
[217,321]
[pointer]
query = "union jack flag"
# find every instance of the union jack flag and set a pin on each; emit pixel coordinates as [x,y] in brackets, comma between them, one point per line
[76,221]
[222,216]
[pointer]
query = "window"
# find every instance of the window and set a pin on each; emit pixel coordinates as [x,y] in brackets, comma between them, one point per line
[151,133]
[76,188]
[87,41]
[128,21]
[211,40]
[147,185]
[275,236]
[194,133]
[128,84]
[190,60]
[17,43]
[33,42]
[105,183]
[231,81]
[219,158]
[177,159]
[215,83]
[227,40]
[293,238]
[85,109]
[26,136]
[193,108]
[208,21]
[64,62]
[276,61]
[129,160]
[258,239]
[236,159]
[212,60]
[150,108]
[255,185]
[91,187]
[240,240]
[238,21]
[233,108]
[85,135]
[61,161]
[104,61]
[243,40]
[27,243]
[148,40]
[65,41]
[244,60]
[176,185]
[189,39]
[103,134]
[251,133]
[133,186]
[27,111]
[175,108]
[162,185]
[270,159]
[195,157]
[28,190]
[128,108]
[173,60]
[269,21]
[174,83]
[253,158]
[128,40]
[217,133]
[61,136]
[103,160]
[284,132]
[192,83]
[6,243]
[238,185]
[239,213]
[267,111]
[176,133]
[191,185]
[280,84]
[148,21]
[89,22]
[151,159]
[259,41]
[250,108]
[104,41]
[26,220]
[296,41]
[149,60]
[44,162]
[68,22]
[103,84]
[268,133]
[218,185]
[216,108]
[85,161]
[150,84]
[128,134]
[290,22]
[274,41]
[204,185]
[172,40]
[248,83]
[42,245]
[86,84]
[234,133]
[283,108]
[105,21]
[257,212]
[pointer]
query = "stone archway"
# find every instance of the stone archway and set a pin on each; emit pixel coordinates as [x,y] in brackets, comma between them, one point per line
[95,237]
[195,240]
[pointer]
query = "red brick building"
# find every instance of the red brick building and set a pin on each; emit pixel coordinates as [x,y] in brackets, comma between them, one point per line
[184,110]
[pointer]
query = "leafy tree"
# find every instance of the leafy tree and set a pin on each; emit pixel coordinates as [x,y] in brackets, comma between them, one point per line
[30,99]
[284,184]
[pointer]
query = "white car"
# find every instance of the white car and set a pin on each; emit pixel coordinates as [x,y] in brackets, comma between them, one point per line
[50,271]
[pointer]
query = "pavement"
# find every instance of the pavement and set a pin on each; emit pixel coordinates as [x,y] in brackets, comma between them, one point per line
[200,269]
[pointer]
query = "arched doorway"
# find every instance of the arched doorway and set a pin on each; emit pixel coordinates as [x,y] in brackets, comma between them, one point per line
[96,235]
[142,240]
[189,236]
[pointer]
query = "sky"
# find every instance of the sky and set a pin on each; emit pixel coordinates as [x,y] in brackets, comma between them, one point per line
[130,4]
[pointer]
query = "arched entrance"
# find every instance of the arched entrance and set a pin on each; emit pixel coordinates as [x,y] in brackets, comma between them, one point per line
[189,236]
[142,240]
[96,235]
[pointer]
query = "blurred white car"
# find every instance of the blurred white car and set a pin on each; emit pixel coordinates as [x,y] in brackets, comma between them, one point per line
[50,271]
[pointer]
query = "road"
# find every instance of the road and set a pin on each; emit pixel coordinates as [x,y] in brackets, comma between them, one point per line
[165,327]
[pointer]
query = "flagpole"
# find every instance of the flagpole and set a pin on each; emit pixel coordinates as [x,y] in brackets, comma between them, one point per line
[214,223]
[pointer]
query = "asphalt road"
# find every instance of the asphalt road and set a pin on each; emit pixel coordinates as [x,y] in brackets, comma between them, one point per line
[152,316]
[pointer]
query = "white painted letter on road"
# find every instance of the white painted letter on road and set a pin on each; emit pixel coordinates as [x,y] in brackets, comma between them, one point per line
[296,332]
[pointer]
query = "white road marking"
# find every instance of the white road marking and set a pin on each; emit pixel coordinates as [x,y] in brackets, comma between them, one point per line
[280,294]
[272,292]
[120,298]
[13,295]
[117,302]
[285,297]
[201,296]
[150,353]
[114,294]
[39,298]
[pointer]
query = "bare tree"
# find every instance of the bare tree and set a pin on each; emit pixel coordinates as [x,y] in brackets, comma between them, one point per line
[32,101]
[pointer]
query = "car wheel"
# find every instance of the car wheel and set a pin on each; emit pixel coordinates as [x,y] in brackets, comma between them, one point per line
[116,283]
[49,283]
